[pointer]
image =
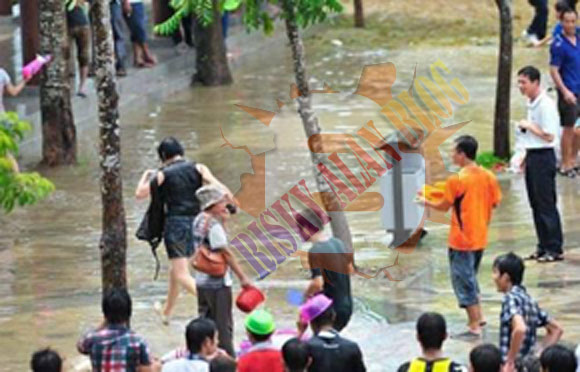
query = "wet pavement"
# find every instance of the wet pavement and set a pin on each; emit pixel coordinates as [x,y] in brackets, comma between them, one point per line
[50,274]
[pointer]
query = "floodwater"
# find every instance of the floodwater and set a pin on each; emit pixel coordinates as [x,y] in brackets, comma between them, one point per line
[50,271]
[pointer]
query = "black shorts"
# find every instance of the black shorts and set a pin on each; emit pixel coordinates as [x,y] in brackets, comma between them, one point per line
[178,236]
[568,113]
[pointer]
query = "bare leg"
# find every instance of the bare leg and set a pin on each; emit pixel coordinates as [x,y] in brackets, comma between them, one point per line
[148,57]
[474,318]
[137,55]
[84,73]
[576,145]
[179,277]
[567,143]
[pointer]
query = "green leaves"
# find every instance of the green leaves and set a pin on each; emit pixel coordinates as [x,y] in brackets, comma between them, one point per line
[17,188]
[254,15]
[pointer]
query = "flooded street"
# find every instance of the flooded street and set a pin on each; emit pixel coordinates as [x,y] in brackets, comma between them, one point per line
[50,271]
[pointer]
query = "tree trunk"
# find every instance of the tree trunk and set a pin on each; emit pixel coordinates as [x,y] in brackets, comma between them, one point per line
[29,33]
[338,221]
[211,61]
[113,244]
[5,7]
[359,17]
[59,144]
[501,124]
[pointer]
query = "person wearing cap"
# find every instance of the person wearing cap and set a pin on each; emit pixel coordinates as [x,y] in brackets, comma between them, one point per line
[214,294]
[176,183]
[262,356]
[329,351]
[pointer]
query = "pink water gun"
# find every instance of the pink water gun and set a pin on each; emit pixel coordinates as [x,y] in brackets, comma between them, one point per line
[34,67]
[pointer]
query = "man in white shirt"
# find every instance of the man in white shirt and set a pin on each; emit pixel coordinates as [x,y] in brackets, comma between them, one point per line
[201,336]
[541,130]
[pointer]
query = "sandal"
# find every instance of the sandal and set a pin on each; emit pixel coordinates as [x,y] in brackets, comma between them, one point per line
[534,256]
[570,173]
[550,258]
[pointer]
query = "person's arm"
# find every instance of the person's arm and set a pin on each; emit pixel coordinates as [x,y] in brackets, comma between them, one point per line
[566,93]
[315,286]
[553,333]
[518,332]
[442,205]
[127,7]
[233,262]
[359,364]
[15,90]
[536,130]
[143,189]
[208,178]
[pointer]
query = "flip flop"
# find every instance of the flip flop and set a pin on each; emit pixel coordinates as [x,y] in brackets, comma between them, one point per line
[467,335]
[534,256]
[549,258]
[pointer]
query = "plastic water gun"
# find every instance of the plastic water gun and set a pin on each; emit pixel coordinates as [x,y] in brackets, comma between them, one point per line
[35,66]
[433,193]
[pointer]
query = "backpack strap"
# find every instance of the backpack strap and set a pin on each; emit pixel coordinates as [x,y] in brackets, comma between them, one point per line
[417,365]
[442,365]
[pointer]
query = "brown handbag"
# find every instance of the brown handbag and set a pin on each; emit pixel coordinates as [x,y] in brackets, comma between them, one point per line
[209,262]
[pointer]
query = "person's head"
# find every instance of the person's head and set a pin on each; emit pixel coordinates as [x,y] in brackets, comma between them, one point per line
[465,150]
[295,355]
[431,331]
[213,200]
[201,336]
[117,306]
[569,18]
[507,271]
[485,358]
[46,360]
[529,81]
[169,148]
[325,319]
[222,364]
[558,358]
[259,326]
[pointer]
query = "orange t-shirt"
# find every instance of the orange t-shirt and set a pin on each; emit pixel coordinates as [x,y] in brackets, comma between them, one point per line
[473,193]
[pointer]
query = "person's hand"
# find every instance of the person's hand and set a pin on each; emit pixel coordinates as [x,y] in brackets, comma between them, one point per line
[509,366]
[245,282]
[127,8]
[219,353]
[569,97]
[524,124]
[301,327]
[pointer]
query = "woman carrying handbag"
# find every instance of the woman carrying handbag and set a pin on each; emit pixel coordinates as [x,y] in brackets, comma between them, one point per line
[212,252]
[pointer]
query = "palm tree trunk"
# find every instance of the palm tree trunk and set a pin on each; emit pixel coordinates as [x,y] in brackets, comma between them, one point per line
[211,61]
[501,124]
[359,18]
[113,244]
[59,144]
[338,221]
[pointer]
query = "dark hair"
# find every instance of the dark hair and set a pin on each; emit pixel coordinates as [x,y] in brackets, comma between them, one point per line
[46,360]
[467,145]
[295,355]
[558,358]
[197,331]
[326,318]
[117,306]
[512,265]
[485,358]
[222,364]
[259,338]
[562,5]
[531,73]
[571,3]
[569,10]
[431,330]
[169,148]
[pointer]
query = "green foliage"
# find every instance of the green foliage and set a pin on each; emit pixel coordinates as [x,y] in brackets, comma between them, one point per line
[17,188]
[489,161]
[307,12]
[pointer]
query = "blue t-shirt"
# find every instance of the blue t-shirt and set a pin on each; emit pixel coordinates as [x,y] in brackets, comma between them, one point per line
[566,56]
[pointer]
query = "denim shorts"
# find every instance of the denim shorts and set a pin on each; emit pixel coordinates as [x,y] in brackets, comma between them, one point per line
[137,22]
[178,236]
[464,266]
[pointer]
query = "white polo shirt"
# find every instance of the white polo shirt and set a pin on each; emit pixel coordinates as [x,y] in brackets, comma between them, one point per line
[542,112]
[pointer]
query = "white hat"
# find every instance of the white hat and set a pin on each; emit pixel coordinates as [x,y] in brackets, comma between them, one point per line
[209,195]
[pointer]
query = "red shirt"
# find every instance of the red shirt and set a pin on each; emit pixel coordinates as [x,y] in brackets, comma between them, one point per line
[259,359]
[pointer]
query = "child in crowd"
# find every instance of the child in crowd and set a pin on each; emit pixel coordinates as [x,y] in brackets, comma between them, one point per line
[330,266]
[295,355]
[431,332]
[520,314]
[262,356]
[113,347]
[330,351]
[471,194]
[46,360]
[485,358]
[7,87]
[222,364]
[201,337]
[557,358]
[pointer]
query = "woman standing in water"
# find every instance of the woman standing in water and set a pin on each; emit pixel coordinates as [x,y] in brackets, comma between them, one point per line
[178,180]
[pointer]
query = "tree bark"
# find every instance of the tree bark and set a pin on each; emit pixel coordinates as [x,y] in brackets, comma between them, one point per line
[29,32]
[501,124]
[212,67]
[59,144]
[113,244]
[338,223]
[6,7]
[359,18]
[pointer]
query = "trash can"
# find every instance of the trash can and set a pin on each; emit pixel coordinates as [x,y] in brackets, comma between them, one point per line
[400,214]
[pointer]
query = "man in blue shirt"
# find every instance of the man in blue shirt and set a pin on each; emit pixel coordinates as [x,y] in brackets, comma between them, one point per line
[565,71]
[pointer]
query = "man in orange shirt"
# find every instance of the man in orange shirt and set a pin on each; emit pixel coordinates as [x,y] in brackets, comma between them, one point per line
[472,194]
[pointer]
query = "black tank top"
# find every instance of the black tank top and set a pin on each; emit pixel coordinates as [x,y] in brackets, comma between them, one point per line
[179,186]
